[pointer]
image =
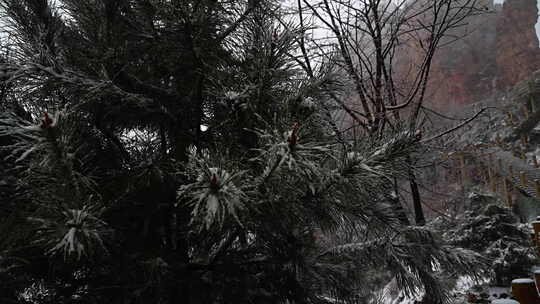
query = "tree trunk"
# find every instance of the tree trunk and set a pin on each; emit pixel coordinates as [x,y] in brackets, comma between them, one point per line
[398,208]
[417,203]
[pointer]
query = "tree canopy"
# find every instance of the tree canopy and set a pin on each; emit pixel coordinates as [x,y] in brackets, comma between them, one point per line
[171,151]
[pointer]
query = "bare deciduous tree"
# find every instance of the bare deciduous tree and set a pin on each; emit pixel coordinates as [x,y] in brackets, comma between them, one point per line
[385,48]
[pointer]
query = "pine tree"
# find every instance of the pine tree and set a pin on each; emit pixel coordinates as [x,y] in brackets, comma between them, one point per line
[175,151]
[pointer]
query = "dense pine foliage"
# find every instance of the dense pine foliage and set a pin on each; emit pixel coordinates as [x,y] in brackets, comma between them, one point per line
[184,151]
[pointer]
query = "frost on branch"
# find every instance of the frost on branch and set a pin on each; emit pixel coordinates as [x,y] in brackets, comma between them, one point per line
[214,195]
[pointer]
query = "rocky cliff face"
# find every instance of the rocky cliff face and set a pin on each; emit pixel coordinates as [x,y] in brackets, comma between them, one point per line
[517,51]
[499,50]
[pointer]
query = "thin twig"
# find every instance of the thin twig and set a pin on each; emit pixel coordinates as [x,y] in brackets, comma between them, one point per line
[456,127]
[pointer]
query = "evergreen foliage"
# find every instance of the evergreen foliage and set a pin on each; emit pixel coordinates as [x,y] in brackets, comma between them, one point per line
[164,151]
[495,232]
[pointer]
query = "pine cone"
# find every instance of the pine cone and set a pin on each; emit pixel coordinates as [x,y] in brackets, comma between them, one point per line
[46,122]
[293,138]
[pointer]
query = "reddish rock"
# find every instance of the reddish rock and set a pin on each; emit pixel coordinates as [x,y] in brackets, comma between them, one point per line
[498,50]
[518,52]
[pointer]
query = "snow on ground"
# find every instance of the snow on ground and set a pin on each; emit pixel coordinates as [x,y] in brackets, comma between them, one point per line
[504,301]
[459,294]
